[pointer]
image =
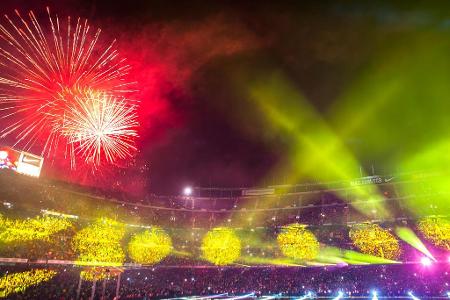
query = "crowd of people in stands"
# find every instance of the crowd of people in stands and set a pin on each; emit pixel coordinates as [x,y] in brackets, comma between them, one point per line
[160,282]
[187,219]
[356,281]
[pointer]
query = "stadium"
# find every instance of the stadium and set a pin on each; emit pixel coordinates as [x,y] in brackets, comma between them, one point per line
[201,154]
[173,262]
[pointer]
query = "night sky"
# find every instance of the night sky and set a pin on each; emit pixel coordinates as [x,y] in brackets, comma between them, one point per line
[197,128]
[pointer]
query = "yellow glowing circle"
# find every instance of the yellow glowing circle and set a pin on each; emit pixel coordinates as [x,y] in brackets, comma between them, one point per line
[374,240]
[99,243]
[150,246]
[296,242]
[436,230]
[221,246]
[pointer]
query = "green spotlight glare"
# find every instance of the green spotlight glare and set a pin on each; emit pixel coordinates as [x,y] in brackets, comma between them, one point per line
[411,238]
[313,143]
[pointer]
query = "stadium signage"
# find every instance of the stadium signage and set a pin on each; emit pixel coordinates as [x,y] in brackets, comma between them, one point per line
[21,162]
[367,180]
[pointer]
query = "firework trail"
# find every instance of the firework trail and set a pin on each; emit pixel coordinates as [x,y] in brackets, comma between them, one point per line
[45,74]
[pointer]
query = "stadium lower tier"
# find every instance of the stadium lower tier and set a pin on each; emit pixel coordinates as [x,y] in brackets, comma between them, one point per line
[363,282]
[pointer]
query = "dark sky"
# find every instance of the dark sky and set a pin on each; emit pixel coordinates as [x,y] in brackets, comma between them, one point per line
[196,128]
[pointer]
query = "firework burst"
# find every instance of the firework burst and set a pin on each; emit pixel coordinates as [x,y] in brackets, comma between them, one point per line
[45,72]
[100,127]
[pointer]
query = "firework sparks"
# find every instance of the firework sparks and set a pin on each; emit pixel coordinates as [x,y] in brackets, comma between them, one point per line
[99,126]
[44,73]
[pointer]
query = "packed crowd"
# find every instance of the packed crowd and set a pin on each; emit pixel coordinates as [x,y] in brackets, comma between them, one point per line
[327,221]
[186,221]
[159,283]
[355,281]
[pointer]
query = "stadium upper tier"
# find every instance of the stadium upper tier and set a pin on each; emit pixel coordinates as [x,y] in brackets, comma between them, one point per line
[367,199]
[335,223]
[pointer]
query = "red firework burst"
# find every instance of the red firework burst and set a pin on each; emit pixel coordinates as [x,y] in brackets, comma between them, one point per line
[48,72]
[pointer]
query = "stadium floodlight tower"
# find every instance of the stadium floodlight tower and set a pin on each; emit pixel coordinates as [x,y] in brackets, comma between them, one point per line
[187,191]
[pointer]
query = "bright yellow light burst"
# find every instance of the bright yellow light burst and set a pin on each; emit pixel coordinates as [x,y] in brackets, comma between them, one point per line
[150,246]
[19,282]
[99,243]
[437,230]
[39,228]
[374,240]
[221,246]
[296,242]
